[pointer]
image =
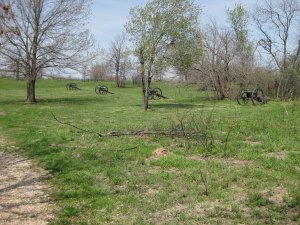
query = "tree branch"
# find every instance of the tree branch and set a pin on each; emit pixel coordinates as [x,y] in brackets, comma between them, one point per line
[78,128]
[172,133]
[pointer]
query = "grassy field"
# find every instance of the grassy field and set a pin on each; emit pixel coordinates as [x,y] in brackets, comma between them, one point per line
[242,165]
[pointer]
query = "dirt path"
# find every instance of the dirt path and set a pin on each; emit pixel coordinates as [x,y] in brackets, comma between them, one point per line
[23,196]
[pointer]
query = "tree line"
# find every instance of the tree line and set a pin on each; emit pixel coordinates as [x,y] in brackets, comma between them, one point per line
[256,47]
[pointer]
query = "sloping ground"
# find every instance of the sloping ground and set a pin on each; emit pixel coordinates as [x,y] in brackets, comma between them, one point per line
[23,196]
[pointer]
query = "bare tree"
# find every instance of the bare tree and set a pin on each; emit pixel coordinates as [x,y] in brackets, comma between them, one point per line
[99,71]
[214,66]
[48,34]
[118,58]
[274,20]
[87,65]
[84,72]
[11,67]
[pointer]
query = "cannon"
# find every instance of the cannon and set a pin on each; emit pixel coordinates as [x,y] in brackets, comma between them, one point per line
[256,96]
[155,93]
[102,90]
[72,86]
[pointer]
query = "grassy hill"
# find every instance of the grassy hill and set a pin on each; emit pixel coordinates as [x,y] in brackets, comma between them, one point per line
[227,164]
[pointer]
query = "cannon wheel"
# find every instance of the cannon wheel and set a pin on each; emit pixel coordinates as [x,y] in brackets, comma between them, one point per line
[257,96]
[71,86]
[242,97]
[157,93]
[97,88]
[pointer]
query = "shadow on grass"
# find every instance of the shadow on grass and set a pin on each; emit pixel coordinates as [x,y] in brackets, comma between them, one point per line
[77,100]
[43,101]
[175,106]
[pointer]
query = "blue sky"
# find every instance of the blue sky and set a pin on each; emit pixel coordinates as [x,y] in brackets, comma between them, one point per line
[109,16]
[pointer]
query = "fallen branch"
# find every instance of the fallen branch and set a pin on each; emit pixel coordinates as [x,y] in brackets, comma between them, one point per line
[78,128]
[175,133]
[146,132]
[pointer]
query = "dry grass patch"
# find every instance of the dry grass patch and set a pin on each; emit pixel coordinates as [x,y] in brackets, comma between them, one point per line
[169,214]
[150,192]
[229,161]
[277,195]
[160,152]
[251,142]
[277,155]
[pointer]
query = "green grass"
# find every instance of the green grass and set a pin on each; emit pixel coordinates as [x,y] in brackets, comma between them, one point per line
[249,155]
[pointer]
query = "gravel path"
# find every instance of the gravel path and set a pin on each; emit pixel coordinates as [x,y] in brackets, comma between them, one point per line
[23,196]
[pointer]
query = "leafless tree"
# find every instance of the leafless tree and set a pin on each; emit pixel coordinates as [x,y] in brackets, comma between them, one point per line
[274,20]
[47,34]
[86,66]
[214,68]
[10,67]
[118,58]
[99,71]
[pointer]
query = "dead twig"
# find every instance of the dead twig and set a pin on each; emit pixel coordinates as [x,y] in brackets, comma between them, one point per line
[78,128]
[204,180]
[179,133]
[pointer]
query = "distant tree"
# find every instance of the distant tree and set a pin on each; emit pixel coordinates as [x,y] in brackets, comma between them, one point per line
[274,20]
[244,48]
[157,31]
[239,20]
[50,34]
[215,65]
[84,72]
[11,67]
[86,66]
[118,58]
[295,56]
[186,55]
[98,71]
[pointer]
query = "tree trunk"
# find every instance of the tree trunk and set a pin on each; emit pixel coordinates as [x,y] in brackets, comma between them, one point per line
[145,100]
[30,91]
[149,80]
[220,88]
[279,88]
[145,88]
[118,76]
[18,71]
[17,76]
[186,79]
[144,83]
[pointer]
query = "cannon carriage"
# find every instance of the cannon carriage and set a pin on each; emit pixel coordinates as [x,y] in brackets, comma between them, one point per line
[256,96]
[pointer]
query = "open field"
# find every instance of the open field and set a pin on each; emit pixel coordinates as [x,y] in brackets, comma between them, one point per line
[247,158]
